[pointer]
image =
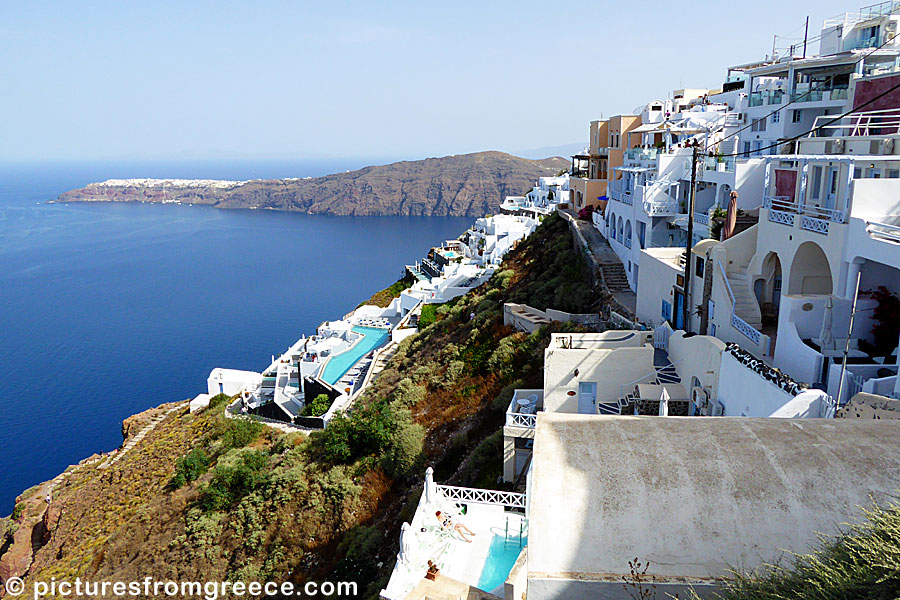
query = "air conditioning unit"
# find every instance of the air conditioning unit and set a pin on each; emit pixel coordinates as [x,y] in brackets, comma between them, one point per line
[837,147]
[886,146]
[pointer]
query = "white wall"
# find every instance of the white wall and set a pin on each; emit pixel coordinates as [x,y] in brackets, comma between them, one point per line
[745,393]
[697,356]
[231,381]
[610,369]
[656,279]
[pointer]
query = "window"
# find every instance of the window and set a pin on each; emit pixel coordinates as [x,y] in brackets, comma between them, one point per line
[758,124]
[893,173]
[712,329]
[797,116]
[746,149]
[712,310]
[699,266]
[776,117]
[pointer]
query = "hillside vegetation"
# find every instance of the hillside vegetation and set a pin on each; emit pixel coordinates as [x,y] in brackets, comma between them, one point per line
[863,564]
[205,497]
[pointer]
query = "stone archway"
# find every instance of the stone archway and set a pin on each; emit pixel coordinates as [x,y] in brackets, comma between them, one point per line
[810,272]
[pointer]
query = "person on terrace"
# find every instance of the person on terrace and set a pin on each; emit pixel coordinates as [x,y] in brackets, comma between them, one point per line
[447,522]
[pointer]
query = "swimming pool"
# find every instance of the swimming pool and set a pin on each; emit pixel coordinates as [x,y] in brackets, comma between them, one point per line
[502,555]
[374,337]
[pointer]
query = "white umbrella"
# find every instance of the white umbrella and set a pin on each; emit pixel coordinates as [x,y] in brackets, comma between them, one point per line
[405,543]
[664,403]
[827,320]
[430,490]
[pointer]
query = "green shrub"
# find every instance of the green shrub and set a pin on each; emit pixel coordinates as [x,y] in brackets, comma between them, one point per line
[318,407]
[231,482]
[405,450]
[18,511]
[408,393]
[240,432]
[217,401]
[428,315]
[189,468]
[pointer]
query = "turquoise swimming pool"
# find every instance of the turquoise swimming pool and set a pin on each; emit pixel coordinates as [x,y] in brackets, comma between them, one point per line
[502,555]
[341,363]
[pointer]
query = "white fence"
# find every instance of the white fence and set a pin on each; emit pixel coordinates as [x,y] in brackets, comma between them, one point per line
[493,497]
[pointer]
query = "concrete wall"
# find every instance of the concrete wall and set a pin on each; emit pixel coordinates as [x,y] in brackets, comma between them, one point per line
[610,369]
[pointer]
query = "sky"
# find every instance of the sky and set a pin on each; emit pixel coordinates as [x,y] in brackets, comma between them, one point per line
[95,80]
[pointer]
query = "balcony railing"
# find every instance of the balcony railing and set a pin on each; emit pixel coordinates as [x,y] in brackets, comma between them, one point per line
[722,165]
[665,208]
[701,218]
[785,211]
[883,231]
[641,154]
[807,96]
[477,496]
[525,415]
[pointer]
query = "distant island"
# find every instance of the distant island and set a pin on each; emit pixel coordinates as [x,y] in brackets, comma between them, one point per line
[465,185]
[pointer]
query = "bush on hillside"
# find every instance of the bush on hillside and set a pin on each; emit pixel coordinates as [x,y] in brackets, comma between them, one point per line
[232,480]
[189,468]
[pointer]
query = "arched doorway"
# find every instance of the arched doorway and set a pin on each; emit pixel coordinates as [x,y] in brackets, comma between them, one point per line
[767,289]
[621,233]
[611,226]
[628,233]
[810,271]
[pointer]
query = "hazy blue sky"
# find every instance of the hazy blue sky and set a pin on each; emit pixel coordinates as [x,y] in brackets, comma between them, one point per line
[215,79]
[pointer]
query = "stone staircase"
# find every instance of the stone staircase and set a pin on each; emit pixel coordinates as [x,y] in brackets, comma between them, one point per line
[745,304]
[615,278]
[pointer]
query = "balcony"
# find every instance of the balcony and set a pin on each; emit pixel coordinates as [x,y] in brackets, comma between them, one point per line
[720,165]
[641,154]
[523,408]
[785,211]
[661,208]
[766,97]
[701,218]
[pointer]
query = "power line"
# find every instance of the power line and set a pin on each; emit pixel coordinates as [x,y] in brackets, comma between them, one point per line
[790,102]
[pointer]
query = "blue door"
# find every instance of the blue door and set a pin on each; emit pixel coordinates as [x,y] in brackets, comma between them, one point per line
[679,311]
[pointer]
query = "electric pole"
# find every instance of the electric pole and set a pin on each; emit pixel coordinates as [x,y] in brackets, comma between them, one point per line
[686,305]
[805,36]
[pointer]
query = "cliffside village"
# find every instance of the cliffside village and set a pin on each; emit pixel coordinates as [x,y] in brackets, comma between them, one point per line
[741,397]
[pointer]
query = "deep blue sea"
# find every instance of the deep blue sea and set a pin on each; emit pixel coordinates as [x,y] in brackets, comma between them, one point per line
[109,309]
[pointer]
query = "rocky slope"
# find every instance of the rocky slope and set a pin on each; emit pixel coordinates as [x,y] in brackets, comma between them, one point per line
[461,185]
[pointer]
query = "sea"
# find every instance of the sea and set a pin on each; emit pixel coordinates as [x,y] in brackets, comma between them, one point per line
[109,309]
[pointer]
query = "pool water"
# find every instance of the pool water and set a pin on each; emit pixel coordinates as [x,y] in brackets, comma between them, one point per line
[502,555]
[339,364]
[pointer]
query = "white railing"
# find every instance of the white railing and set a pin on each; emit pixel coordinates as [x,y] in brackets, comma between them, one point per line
[701,218]
[627,242]
[784,211]
[883,231]
[666,208]
[521,420]
[868,123]
[477,496]
[753,334]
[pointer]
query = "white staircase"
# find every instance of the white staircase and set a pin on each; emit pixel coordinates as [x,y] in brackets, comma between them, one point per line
[745,304]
